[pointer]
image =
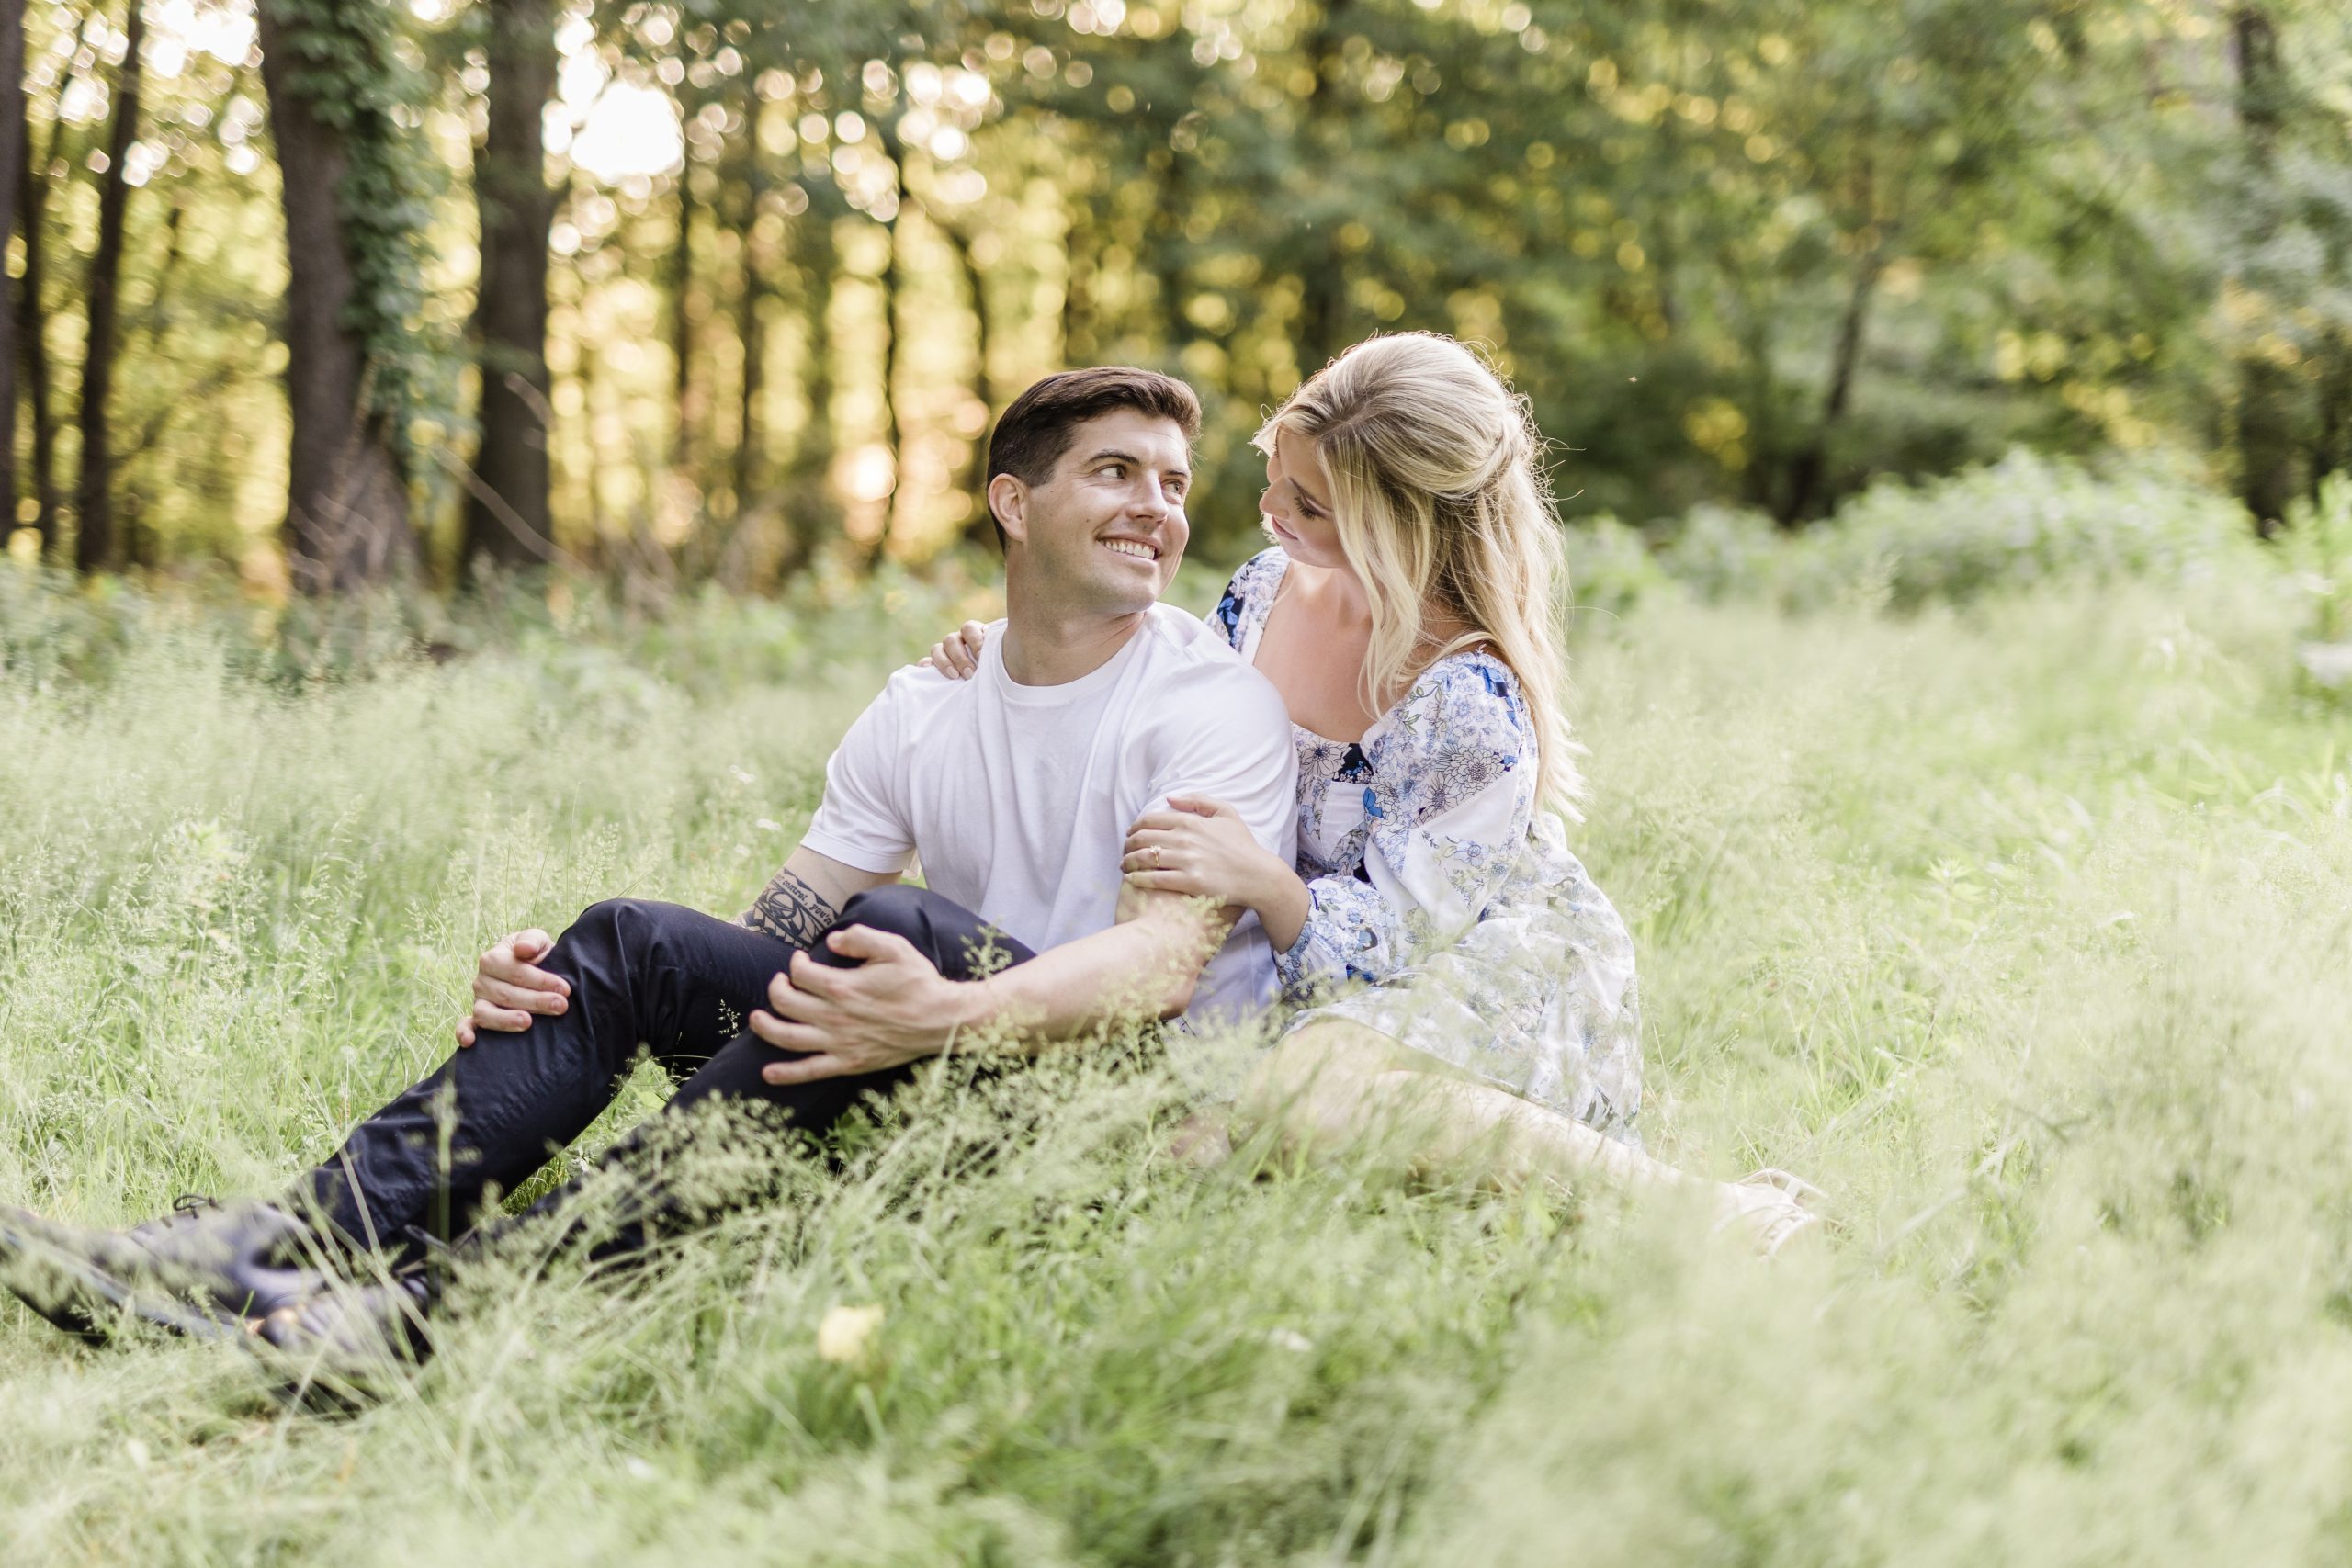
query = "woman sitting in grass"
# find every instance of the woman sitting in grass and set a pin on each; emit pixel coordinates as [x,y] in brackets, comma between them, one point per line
[1461,981]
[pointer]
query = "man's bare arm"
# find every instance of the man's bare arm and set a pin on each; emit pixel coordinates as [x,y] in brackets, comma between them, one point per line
[1145,967]
[804,899]
[897,1008]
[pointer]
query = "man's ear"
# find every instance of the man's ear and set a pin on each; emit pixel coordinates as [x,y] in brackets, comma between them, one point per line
[1009,504]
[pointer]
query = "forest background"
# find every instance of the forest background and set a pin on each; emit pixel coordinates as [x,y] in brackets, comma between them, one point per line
[334,292]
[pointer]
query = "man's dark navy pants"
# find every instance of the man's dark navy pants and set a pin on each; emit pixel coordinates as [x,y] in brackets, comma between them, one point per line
[675,982]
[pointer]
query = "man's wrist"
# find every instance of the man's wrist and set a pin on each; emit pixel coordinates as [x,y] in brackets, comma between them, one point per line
[964,1004]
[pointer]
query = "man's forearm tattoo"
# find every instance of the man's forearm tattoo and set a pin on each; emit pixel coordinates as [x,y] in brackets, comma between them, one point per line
[790,910]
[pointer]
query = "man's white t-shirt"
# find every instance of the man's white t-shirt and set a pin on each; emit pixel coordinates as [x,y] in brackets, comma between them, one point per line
[1017,800]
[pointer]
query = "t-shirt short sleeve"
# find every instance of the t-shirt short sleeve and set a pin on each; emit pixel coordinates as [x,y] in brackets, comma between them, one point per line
[863,820]
[1225,734]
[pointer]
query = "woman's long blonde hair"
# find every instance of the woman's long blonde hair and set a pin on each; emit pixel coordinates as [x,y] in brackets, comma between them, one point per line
[1440,501]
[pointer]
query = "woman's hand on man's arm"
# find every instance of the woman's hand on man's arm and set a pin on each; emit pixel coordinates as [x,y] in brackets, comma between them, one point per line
[1202,849]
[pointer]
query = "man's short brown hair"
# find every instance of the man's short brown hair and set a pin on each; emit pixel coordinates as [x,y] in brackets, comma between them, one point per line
[1034,434]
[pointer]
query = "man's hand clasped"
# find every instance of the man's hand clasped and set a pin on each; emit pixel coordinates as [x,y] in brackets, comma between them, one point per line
[895,1007]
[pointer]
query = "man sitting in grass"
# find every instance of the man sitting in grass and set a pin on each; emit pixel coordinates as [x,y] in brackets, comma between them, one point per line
[1014,791]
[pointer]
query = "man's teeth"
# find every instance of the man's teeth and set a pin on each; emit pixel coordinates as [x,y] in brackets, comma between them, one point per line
[1129,547]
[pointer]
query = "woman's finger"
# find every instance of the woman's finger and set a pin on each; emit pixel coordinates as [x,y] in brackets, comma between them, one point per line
[1167,838]
[1199,806]
[1165,882]
[465,1033]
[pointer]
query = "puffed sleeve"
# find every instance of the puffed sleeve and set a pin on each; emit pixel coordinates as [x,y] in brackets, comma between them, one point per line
[1239,605]
[1450,810]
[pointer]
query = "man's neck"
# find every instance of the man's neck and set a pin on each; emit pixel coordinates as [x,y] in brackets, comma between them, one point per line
[1045,646]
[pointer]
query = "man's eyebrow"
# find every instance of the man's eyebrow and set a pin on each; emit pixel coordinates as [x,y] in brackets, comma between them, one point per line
[1112,454]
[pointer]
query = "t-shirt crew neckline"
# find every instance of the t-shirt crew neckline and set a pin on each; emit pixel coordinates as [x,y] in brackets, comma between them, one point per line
[1102,675]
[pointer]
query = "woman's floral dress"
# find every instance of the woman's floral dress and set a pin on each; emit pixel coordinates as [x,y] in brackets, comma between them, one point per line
[1447,910]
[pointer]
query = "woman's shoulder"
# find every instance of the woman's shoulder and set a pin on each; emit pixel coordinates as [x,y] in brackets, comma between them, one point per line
[1260,572]
[1471,688]
[1245,596]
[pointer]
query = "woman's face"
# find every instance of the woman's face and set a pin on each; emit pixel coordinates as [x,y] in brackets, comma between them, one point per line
[1297,502]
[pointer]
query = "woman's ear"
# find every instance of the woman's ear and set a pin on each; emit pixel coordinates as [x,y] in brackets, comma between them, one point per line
[1008,501]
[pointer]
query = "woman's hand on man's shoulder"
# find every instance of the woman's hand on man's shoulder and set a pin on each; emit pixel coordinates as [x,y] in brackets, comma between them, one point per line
[957,655]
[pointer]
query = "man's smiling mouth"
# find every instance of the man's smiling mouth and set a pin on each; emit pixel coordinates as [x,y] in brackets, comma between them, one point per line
[1134,548]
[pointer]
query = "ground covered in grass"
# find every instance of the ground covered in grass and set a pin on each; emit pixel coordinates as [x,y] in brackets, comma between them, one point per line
[2021,928]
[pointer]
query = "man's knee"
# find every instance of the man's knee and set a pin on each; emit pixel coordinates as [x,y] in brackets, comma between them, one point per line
[618,927]
[944,932]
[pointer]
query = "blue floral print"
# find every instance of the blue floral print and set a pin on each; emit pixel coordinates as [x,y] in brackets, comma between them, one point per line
[1446,909]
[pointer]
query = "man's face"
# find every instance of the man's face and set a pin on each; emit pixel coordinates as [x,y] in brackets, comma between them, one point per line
[1105,532]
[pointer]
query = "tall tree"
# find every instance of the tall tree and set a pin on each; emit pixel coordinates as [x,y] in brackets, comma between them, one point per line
[979,529]
[812,507]
[507,518]
[2266,393]
[31,313]
[681,261]
[96,546]
[894,348]
[13,146]
[751,330]
[328,68]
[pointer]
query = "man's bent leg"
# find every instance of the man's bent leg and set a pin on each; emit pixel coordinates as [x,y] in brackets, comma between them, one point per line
[674,980]
[957,942]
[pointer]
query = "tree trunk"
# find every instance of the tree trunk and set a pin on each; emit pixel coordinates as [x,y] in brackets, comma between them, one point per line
[32,206]
[682,326]
[346,510]
[1323,282]
[980,527]
[813,513]
[2332,452]
[95,548]
[507,518]
[1078,291]
[750,333]
[893,340]
[2265,417]
[1809,470]
[13,145]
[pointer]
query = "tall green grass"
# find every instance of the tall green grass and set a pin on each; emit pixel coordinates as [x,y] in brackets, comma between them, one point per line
[2022,928]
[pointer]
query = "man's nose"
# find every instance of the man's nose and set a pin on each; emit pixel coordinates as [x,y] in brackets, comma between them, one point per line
[1149,500]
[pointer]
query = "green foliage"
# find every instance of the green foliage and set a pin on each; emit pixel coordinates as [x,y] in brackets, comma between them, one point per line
[1750,256]
[2008,527]
[2317,544]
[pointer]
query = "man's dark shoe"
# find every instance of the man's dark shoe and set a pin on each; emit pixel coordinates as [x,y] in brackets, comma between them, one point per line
[351,1344]
[205,1270]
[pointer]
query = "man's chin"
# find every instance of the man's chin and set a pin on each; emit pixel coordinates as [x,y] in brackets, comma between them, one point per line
[1136,593]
